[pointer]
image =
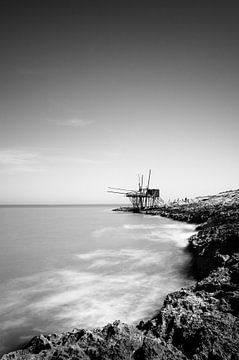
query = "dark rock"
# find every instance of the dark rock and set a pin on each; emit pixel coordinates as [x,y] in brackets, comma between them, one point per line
[193,322]
[39,343]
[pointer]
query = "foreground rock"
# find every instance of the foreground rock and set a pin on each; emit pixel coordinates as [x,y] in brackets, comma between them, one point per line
[114,341]
[200,322]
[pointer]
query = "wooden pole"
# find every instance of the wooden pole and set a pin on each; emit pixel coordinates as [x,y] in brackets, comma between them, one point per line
[149,178]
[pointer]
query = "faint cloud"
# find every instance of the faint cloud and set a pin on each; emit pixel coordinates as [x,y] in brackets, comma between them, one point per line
[12,160]
[71,160]
[74,122]
[32,160]
[88,161]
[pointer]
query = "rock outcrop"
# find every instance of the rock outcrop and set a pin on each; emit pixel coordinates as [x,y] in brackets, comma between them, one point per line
[199,323]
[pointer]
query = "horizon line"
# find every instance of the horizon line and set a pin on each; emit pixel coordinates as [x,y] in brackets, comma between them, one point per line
[54,205]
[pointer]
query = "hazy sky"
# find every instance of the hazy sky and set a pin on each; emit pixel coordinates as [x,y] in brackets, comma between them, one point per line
[94,92]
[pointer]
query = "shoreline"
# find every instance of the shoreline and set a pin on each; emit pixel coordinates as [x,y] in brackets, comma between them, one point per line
[199,322]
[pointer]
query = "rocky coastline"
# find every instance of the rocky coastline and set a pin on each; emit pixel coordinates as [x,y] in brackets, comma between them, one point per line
[199,323]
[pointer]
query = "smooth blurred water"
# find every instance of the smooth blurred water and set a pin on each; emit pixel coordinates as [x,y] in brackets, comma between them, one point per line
[84,266]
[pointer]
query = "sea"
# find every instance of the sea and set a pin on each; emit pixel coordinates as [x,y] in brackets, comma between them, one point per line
[65,267]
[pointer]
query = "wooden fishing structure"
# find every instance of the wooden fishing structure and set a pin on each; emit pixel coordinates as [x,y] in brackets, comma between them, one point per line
[142,199]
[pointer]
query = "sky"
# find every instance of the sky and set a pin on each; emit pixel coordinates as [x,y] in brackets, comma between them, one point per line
[92,93]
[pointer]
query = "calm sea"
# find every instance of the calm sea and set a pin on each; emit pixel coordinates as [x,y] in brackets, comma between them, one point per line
[84,266]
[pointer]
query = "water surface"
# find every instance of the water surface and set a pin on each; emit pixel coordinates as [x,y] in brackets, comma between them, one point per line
[84,266]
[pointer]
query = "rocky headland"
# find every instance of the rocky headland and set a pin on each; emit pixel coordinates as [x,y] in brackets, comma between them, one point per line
[199,323]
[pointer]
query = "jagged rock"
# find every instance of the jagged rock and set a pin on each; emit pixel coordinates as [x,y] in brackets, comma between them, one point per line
[194,322]
[115,341]
[154,349]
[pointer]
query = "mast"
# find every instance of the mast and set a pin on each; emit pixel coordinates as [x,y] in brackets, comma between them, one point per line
[147,189]
[149,179]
